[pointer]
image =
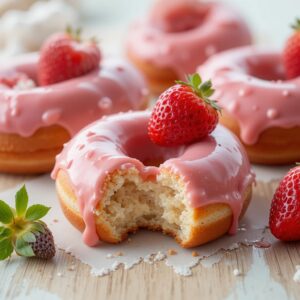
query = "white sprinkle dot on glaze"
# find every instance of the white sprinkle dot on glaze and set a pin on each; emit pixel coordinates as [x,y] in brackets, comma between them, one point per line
[285,93]
[145,92]
[15,112]
[242,92]
[105,103]
[51,116]
[202,193]
[272,113]
[210,50]
[233,106]
[89,154]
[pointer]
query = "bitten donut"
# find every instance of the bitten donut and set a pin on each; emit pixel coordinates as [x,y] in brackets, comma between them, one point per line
[177,36]
[37,121]
[111,180]
[259,104]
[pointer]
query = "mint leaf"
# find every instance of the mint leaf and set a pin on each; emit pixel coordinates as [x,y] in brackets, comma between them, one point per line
[6,213]
[29,237]
[36,212]
[6,248]
[21,201]
[23,248]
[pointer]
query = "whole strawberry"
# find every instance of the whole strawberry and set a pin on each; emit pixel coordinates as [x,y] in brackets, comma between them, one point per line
[284,219]
[64,56]
[22,230]
[291,55]
[184,113]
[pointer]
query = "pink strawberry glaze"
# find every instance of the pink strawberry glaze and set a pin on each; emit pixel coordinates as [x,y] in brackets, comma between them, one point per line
[216,169]
[250,86]
[182,34]
[116,86]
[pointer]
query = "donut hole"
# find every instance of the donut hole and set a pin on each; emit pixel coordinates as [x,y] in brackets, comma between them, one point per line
[266,69]
[152,154]
[181,18]
[131,203]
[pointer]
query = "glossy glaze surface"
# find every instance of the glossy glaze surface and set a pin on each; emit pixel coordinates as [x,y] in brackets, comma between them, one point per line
[250,85]
[116,86]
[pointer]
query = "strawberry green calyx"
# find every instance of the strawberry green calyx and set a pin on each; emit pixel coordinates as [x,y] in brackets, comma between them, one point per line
[20,226]
[296,25]
[203,89]
[75,34]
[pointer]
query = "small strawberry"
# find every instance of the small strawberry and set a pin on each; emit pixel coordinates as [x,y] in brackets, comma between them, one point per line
[64,56]
[184,113]
[291,54]
[22,230]
[284,219]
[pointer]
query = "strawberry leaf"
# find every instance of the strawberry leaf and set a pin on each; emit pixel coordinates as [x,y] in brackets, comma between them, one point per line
[196,80]
[23,248]
[6,248]
[296,25]
[6,213]
[5,232]
[21,201]
[202,89]
[36,212]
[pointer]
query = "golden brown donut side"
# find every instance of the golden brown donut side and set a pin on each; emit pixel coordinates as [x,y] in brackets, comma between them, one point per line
[158,79]
[275,145]
[34,154]
[210,222]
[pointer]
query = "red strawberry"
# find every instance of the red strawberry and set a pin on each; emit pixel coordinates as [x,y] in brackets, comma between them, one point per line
[291,55]
[285,208]
[64,56]
[184,113]
[11,79]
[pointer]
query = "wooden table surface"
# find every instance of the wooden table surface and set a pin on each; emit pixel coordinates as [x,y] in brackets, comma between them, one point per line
[265,273]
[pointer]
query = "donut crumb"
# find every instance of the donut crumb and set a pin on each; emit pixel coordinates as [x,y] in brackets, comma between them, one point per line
[195,254]
[119,253]
[172,252]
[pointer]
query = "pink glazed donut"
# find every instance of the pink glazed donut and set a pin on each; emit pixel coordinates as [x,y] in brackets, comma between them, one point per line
[111,180]
[179,35]
[259,104]
[37,121]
